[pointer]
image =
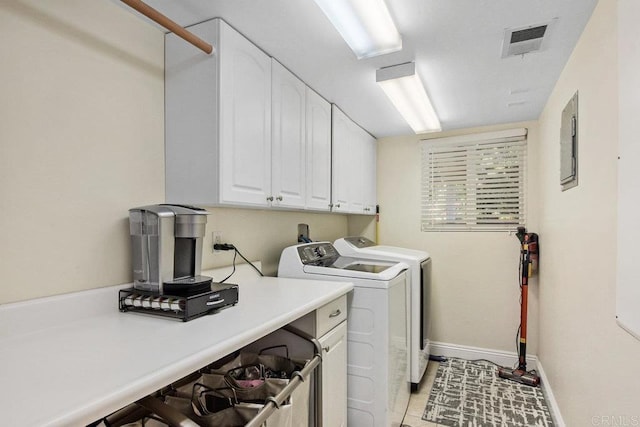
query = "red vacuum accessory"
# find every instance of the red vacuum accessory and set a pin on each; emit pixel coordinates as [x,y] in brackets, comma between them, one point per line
[528,265]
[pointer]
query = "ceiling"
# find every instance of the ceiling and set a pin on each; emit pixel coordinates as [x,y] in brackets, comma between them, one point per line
[456,44]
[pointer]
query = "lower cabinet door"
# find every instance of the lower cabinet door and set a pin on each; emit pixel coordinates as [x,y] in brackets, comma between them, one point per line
[334,376]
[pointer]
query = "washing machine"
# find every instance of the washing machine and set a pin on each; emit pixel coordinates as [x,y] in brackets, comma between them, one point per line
[378,389]
[419,285]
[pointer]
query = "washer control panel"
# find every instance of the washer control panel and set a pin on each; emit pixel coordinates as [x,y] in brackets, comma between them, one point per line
[322,253]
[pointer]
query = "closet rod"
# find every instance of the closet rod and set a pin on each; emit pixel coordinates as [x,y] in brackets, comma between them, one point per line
[170,25]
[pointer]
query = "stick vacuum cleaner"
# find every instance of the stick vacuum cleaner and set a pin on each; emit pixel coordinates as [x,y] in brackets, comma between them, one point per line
[528,264]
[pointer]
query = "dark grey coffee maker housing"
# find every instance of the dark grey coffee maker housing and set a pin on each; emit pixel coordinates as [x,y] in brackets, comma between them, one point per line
[167,249]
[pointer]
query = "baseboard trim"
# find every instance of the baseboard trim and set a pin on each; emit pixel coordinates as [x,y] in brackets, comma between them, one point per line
[502,358]
[551,399]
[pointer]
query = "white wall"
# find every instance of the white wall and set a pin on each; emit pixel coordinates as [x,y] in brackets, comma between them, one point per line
[628,291]
[82,141]
[475,275]
[591,363]
[263,234]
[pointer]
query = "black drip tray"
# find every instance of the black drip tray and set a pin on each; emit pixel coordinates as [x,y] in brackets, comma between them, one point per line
[182,307]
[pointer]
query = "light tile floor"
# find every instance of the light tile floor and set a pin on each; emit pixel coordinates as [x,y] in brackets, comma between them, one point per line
[418,400]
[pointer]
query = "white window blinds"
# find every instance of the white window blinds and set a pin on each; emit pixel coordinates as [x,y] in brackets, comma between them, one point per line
[474,182]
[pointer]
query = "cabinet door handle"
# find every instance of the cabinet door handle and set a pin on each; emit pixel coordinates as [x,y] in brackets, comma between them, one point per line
[336,313]
[337,205]
[326,349]
[279,198]
[270,199]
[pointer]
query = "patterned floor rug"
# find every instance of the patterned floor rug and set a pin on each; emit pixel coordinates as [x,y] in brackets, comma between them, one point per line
[470,394]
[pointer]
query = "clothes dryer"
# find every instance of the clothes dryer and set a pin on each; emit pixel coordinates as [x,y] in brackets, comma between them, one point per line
[378,386]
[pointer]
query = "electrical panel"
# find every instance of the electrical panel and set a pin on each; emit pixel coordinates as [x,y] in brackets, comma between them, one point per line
[569,145]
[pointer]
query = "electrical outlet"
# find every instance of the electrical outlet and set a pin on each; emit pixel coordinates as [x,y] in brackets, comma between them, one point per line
[217,240]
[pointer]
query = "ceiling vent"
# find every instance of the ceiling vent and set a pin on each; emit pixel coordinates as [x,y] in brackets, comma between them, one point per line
[518,41]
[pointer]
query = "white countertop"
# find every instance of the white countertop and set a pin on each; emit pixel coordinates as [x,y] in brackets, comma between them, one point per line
[71,359]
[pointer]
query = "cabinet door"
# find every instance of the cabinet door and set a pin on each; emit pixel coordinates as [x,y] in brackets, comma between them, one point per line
[334,376]
[354,168]
[363,178]
[370,165]
[357,168]
[288,181]
[341,152]
[245,120]
[318,152]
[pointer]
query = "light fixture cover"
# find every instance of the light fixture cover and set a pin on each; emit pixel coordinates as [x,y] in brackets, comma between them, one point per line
[365,25]
[405,90]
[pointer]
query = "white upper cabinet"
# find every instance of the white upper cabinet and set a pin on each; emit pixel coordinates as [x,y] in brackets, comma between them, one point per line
[288,180]
[354,166]
[242,130]
[356,182]
[245,120]
[341,160]
[318,138]
[301,144]
[218,119]
[370,156]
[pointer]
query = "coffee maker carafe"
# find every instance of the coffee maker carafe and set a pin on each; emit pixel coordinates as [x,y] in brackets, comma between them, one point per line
[167,249]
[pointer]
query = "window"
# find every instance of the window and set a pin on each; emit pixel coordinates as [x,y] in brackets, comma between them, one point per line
[474,182]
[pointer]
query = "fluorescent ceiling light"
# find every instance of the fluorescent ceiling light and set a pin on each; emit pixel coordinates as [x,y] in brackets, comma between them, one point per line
[365,25]
[405,90]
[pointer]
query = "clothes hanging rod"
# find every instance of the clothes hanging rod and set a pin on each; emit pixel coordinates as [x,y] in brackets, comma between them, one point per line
[170,25]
